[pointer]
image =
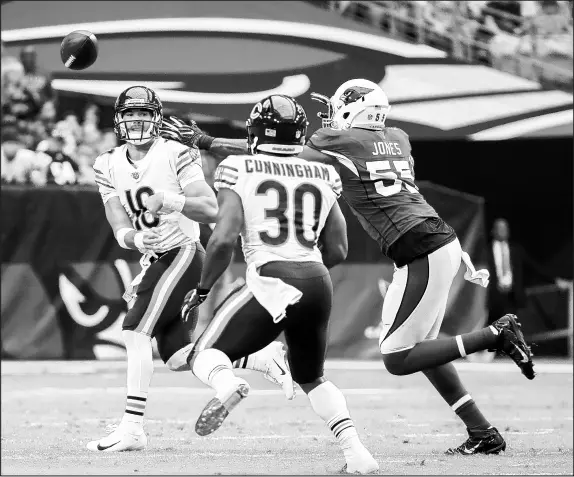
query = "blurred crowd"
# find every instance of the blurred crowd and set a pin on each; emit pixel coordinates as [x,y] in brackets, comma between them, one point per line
[491,33]
[37,147]
[41,145]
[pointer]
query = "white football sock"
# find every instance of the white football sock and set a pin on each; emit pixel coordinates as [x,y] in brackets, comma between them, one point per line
[213,367]
[139,373]
[257,361]
[329,403]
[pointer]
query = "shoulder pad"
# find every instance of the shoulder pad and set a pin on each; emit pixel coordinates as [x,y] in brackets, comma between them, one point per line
[322,136]
[103,158]
[326,138]
[237,162]
[398,131]
[174,145]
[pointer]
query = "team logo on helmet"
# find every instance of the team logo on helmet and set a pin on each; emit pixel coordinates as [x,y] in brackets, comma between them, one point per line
[256,111]
[354,94]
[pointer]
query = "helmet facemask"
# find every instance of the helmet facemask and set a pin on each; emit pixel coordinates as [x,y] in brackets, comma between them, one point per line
[148,131]
[326,118]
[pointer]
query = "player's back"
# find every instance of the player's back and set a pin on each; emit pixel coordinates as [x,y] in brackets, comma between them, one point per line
[377,171]
[286,202]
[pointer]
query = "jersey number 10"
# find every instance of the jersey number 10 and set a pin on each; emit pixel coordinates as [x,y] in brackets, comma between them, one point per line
[295,222]
[141,219]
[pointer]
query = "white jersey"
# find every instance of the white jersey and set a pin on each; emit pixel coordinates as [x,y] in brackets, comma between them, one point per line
[167,167]
[286,201]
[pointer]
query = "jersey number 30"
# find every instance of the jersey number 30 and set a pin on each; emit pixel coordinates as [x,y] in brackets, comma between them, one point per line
[295,221]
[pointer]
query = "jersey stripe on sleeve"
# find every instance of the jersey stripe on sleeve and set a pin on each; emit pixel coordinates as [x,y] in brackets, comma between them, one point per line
[225,176]
[101,180]
[184,159]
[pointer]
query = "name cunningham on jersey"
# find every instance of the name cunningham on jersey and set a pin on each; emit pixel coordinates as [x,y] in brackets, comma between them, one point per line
[286,201]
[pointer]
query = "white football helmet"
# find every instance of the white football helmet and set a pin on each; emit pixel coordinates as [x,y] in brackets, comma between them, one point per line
[357,103]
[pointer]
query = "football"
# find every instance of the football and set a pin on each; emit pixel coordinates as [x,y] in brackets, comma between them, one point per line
[79,50]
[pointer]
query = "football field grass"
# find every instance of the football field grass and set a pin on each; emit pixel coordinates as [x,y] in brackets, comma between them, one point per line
[50,410]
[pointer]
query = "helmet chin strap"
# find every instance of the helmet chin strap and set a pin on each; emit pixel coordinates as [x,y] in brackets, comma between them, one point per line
[139,141]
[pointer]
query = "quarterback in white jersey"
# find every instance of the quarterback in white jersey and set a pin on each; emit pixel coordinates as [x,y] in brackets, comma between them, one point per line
[154,194]
[168,168]
[282,207]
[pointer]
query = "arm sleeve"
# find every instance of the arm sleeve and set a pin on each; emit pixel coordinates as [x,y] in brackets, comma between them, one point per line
[103,179]
[188,167]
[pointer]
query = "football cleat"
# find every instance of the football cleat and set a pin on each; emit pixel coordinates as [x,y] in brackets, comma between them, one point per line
[361,463]
[512,343]
[118,440]
[487,441]
[216,410]
[276,369]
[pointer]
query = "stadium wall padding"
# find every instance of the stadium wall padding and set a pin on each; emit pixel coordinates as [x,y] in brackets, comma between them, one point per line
[63,275]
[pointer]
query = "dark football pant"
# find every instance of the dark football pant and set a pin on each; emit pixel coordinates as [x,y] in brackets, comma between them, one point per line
[241,326]
[156,311]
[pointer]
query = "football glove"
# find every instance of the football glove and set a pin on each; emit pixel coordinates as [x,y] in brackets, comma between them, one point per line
[177,130]
[192,300]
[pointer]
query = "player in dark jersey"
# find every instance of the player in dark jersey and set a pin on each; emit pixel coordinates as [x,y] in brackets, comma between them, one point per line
[377,172]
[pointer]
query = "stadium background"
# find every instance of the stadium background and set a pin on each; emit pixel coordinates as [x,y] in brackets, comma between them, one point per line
[491,126]
[486,144]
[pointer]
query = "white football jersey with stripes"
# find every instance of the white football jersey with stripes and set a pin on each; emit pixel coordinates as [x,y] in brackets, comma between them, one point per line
[167,167]
[286,201]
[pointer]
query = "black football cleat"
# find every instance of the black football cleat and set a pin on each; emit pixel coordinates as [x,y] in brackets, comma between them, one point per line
[512,343]
[487,441]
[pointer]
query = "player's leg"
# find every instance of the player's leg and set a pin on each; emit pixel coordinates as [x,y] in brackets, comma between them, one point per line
[306,335]
[483,437]
[411,305]
[176,347]
[240,328]
[140,324]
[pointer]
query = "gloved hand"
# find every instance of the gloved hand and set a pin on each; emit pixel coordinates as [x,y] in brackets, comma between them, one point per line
[192,300]
[177,130]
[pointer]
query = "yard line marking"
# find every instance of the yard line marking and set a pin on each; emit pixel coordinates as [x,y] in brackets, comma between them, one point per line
[19,368]
[514,433]
[51,391]
[59,422]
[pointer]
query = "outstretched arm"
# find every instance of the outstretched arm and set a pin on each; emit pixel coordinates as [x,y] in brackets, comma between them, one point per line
[221,147]
[192,136]
[311,154]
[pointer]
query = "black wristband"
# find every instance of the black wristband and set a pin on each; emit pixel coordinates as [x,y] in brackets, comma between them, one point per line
[203,291]
[204,142]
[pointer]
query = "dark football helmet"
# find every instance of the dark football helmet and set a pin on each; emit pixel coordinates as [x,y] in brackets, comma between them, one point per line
[137,97]
[277,125]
